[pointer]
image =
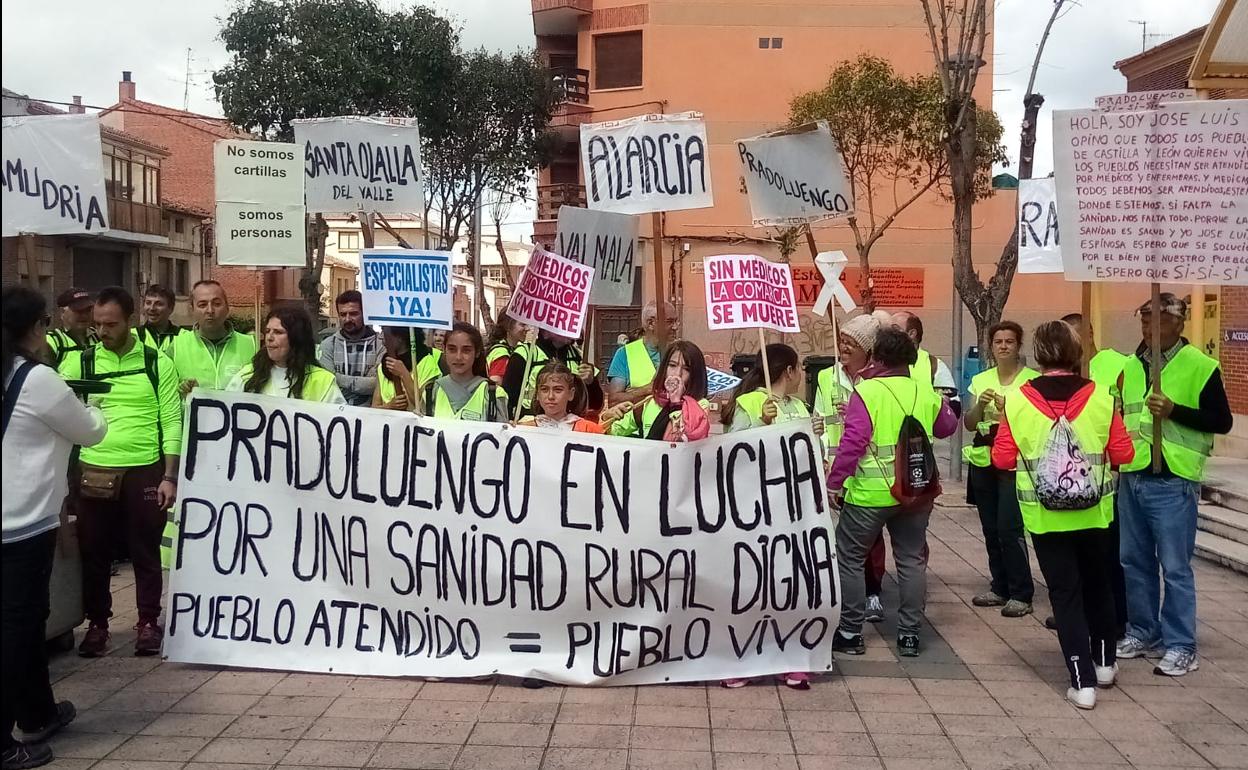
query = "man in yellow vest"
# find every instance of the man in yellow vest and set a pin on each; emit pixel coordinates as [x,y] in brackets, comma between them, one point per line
[159,330]
[209,354]
[75,333]
[633,366]
[1158,508]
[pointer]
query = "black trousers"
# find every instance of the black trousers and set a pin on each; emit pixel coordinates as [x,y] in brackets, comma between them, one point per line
[1002,522]
[27,570]
[1117,581]
[1076,567]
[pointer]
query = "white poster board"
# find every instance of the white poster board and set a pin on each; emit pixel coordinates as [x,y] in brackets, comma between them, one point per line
[795,176]
[260,214]
[361,164]
[745,291]
[553,294]
[1155,196]
[407,287]
[312,538]
[1039,233]
[647,163]
[1143,100]
[53,176]
[719,382]
[606,242]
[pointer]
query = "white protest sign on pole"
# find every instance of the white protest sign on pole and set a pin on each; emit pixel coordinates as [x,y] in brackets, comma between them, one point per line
[1143,100]
[796,176]
[718,382]
[327,546]
[362,164]
[1039,241]
[553,294]
[830,265]
[606,242]
[53,179]
[648,163]
[407,287]
[1155,196]
[260,214]
[745,291]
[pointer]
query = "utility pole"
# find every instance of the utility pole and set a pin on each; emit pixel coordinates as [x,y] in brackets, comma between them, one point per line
[186,87]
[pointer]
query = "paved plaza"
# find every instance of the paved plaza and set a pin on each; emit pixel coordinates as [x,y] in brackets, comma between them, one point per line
[986,693]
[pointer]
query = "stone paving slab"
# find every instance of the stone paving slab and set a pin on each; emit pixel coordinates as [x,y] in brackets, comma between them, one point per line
[986,693]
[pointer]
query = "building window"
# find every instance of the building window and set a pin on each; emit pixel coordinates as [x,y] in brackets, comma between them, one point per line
[182,286]
[348,241]
[764,42]
[617,60]
[179,225]
[777,42]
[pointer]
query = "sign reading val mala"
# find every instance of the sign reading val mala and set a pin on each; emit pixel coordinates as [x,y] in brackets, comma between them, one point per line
[647,163]
[355,541]
[553,294]
[53,177]
[745,291]
[606,242]
[795,176]
[407,287]
[362,164]
[260,214]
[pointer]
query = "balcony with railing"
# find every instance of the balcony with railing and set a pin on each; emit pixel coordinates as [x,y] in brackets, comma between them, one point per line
[571,85]
[549,198]
[133,217]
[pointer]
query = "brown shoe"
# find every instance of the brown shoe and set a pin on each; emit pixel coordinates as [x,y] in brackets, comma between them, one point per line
[149,639]
[94,642]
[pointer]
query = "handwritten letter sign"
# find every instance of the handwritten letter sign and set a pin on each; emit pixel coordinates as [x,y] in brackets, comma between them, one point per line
[606,242]
[1039,236]
[648,163]
[362,164]
[53,178]
[745,291]
[795,176]
[553,294]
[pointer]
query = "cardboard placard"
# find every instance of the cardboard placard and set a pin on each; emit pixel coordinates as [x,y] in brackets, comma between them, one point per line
[648,163]
[362,164]
[795,176]
[260,214]
[745,291]
[1039,236]
[553,294]
[53,176]
[606,242]
[407,287]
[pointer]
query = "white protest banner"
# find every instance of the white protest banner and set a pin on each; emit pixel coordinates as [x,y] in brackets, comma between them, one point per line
[553,294]
[1143,100]
[745,291]
[606,242]
[647,163]
[362,164]
[795,176]
[260,214]
[407,287]
[1039,241]
[53,180]
[1157,196]
[719,382]
[337,539]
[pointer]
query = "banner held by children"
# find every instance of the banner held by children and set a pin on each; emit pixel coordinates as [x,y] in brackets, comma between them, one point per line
[745,291]
[1039,234]
[335,539]
[407,287]
[362,164]
[648,163]
[553,294]
[796,176]
[260,214]
[53,180]
[606,242]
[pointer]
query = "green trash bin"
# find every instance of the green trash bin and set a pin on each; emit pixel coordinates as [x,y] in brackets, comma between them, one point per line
[813,365]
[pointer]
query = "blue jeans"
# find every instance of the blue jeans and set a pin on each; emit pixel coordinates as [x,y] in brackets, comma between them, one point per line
[1158,525]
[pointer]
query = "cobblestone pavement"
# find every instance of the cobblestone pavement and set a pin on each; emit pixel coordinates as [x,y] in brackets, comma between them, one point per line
[987,693]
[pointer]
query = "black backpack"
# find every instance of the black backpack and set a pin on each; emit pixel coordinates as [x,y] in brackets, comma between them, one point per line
[13,390]
[916,477]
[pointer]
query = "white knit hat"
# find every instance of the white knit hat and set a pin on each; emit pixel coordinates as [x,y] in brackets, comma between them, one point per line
[862,329]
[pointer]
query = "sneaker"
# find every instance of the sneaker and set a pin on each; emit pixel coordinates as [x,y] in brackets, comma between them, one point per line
[94,642]
[988,599]
[850,644]
[796,680]
[529,683]
[1177,662]
[1129,647]
[149,638]
[23,755]
[1083,697]
[733,684]
[1050,623]
[1016,609]
[908,645]
[65,713]
[1106,676]
[875,609]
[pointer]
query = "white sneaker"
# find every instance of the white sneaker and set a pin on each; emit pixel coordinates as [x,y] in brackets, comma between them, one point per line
[1129,647]
[1084,697]
[1106,675]
[1177,663]
[874,609]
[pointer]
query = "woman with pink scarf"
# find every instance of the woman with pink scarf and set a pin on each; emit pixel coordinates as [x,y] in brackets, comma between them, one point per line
[675,410]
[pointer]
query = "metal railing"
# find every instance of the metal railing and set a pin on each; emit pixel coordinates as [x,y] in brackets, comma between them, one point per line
[551,196]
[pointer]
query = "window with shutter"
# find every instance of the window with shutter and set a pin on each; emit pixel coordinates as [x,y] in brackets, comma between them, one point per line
[617,60]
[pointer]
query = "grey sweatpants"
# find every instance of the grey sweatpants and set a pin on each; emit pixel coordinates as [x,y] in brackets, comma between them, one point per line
[855,533]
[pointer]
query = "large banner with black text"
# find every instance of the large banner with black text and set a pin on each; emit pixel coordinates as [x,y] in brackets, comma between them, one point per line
[647,163]
[337,539]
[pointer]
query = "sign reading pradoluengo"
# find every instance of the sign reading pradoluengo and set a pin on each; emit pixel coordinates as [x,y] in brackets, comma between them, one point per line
[347,540]
[795,176]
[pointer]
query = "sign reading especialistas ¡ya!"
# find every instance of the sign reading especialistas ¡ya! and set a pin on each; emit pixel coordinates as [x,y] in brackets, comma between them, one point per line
[647,163]
[745,291]
[407,287]
[53,180]
[1039,235]
[362,164]
[795,176]
[260,214]
[1154,196]
[606,242]
[553,294]
[321,538]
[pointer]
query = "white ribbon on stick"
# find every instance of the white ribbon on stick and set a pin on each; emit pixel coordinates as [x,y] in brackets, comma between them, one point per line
[830,264]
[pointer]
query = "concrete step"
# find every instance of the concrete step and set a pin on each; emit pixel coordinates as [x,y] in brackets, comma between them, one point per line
[1226,483]
[1221,551]
[1226,496]
[1223,522]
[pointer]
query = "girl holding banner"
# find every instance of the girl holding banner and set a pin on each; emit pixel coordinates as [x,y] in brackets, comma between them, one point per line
[753,405]
[396,388]
[286,365]
[676,408]
[562,397]
[465,393]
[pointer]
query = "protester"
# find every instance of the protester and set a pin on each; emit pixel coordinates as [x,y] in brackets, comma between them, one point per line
[632,368]
[465,393]
[211,352]
[75,306]
[547,348]
[505,335]
[1158,508]
[676,408]
[753,405]
[1070,542]
[158,331]
[353,351]
[561,395]
[1105,366]
[863,475]
[925,364]
[396,388]
[43,420]
[129,479]
[286,365]
[992,489]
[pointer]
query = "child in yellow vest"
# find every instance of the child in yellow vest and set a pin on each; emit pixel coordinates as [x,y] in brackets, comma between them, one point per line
[465,393]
